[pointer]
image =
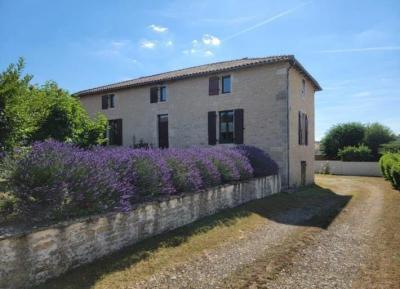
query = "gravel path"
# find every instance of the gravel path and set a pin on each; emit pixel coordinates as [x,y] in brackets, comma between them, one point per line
[331,262]
[340,251]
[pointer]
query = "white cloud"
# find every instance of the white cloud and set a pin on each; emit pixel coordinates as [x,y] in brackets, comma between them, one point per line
[198,52]
[158,29]
[169,43]
[211,40]
[208,53]
[148,44]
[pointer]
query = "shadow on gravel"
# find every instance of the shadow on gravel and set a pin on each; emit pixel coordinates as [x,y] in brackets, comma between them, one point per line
[311,206]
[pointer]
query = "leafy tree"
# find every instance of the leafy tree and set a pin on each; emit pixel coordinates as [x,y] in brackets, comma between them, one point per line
[15,122]
[31,112]
[340,136]
[377,134]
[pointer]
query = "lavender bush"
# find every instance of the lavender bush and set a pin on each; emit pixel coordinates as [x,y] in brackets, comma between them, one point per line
[65,181]
[260,161]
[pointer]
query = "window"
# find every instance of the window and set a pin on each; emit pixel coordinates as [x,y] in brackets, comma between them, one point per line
[226,84]
[303,128]
[114,132]
[226,127]
[303,88]
[111,102]
[107,101]
[158,94]
[163,93]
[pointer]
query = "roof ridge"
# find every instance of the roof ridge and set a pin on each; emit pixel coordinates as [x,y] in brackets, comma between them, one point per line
[191,71]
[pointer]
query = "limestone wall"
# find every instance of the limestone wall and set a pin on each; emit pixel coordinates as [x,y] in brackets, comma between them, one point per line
[31,257]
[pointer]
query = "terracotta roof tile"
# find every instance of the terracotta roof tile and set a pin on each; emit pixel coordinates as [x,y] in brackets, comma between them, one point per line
[199,71]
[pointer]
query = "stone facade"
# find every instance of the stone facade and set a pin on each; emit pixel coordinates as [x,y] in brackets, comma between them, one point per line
[270,96]
[32,257]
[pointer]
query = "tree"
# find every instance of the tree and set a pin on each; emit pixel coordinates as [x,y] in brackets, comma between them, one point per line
[376,135]
[31,112]
[15,122]
[340,136]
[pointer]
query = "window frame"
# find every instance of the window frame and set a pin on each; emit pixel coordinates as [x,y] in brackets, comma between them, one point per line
[303,88]
[161,96]
[111,100]
[221,140]
[223,91]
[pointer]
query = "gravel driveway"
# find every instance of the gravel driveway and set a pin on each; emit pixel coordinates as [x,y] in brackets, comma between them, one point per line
[342,233]
[332,258]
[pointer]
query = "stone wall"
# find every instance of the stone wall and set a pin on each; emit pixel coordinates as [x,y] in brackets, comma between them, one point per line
[31,257]
[370,169]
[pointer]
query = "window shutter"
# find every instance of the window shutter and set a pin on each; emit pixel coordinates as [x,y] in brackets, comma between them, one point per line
[299,128]
[212,128]
[153,94]
[104,102]
[239,126]
[118,132]
[306,129]
[213,87]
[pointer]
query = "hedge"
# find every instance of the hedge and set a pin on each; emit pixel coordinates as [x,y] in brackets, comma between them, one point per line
[54,180]
[355,154]
[390,167]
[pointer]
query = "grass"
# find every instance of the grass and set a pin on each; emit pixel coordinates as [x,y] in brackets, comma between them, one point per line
[139,261]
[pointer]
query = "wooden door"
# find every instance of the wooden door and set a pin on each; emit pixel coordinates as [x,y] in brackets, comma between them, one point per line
[303,173]
[163,131]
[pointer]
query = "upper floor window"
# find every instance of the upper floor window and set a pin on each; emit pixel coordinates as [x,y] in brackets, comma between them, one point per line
[215,82]
[158,94]
[163,93]
[226,84]
[303,128]
[108,101]
[303,88]
[226,128]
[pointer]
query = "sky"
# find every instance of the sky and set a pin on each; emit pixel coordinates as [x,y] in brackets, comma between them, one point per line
[351,47]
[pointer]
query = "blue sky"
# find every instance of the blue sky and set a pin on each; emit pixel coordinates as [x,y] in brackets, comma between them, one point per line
[351,47]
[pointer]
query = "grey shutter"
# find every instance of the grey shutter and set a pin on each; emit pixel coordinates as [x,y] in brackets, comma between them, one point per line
[239,126]
[306,129]
[104,102]
[212,128]
[299,129]
[153,94]
[213,85]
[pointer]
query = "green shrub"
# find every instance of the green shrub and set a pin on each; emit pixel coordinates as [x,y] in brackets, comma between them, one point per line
[395,174]
[355,154]
[390,167]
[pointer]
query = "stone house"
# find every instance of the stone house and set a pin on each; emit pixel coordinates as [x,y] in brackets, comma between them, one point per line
[267,102]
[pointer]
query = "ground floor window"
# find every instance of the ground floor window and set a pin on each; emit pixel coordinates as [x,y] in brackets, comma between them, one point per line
[226,127]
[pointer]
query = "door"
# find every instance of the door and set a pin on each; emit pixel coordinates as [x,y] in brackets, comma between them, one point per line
[115,132]
[303,173]
[163,131]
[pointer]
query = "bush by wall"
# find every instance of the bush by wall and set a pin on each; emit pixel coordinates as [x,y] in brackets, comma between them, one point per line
[355,154]
[390,166]
[55,180]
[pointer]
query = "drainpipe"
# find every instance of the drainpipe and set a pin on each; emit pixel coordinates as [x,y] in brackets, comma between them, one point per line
[288,123]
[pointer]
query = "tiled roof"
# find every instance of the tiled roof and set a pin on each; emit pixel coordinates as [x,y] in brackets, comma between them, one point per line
[199,71]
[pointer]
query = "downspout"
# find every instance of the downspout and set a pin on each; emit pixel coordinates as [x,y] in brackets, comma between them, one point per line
[288,124]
